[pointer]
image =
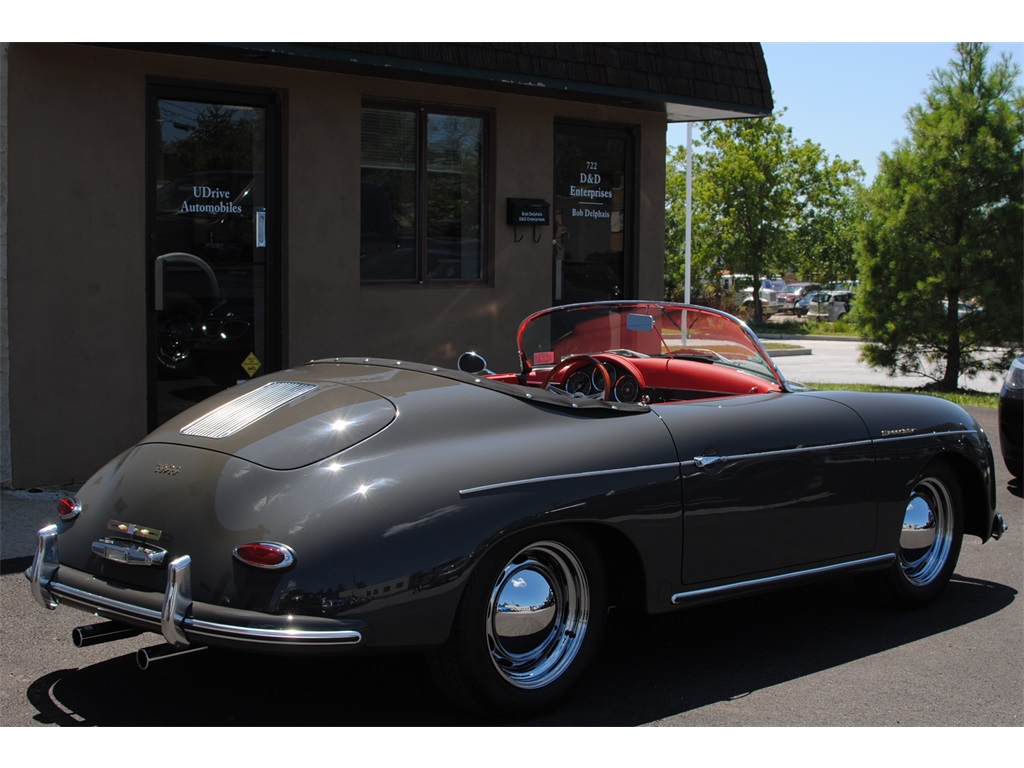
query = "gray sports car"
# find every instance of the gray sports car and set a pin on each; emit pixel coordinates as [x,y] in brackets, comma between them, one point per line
[644,453]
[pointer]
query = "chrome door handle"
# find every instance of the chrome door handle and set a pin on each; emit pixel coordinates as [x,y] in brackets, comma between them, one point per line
[708,463]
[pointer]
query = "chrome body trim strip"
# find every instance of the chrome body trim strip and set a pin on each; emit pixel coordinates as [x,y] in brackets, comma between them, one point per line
[570,476]
[703,462]
[868,562]
[107,604]
[920,435]
[300,637]
[706,462]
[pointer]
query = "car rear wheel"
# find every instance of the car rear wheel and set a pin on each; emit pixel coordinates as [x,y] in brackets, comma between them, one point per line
[930,539]
[529,622]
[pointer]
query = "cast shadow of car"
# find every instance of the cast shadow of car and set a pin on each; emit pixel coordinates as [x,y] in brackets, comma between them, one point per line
[650,668]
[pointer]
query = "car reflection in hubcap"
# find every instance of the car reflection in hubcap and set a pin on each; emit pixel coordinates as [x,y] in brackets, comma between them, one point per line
[927,532]
[537,615]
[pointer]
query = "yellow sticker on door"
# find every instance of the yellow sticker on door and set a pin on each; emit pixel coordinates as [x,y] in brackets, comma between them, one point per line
[251,364]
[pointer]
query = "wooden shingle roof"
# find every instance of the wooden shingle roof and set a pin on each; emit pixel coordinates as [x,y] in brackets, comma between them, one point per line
[687,81]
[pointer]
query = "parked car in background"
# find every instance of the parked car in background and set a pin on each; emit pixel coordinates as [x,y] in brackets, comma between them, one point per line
[737,282]
[850,286]
[825,305]
[792,293]
[963,308]
[1011,418]
[769,301]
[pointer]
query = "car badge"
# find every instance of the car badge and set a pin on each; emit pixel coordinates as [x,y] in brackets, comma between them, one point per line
[134,529]
[167,469]
[898,432]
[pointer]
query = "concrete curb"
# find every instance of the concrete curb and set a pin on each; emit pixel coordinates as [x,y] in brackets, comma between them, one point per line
[791,337]
[789,352]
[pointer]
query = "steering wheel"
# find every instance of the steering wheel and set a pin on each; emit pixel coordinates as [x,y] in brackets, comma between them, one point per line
[572,362]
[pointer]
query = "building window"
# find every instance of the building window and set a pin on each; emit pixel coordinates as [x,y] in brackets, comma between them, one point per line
[422,196]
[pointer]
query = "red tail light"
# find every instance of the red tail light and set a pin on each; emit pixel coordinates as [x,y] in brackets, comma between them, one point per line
[265,554]
[69,508]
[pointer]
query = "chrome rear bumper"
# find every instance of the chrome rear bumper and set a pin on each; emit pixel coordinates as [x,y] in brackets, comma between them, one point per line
[175,615]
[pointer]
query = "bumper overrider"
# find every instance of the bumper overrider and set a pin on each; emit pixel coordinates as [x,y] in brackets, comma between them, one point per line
[184,623]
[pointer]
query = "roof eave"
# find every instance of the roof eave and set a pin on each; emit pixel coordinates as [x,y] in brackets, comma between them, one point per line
[310,56]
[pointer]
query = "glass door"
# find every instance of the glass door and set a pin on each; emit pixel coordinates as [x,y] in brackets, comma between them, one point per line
[213,244]
[593,213]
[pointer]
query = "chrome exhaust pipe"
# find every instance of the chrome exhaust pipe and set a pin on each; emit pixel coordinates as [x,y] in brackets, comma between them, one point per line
[144,657]
[94,634]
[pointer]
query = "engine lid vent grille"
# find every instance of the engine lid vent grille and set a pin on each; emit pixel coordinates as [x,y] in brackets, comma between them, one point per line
[234,416]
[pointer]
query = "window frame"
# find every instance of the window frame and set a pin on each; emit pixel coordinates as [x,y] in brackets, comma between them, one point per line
[422,111]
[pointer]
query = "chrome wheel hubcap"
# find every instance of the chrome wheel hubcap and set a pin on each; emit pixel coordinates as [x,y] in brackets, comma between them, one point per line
[537,615]
[927,534]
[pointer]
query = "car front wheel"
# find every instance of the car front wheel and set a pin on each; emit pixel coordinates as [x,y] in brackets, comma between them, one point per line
[930,539]
[529,622]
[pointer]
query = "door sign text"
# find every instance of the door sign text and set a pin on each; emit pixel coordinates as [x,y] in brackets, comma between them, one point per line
[214,200]
[590,194]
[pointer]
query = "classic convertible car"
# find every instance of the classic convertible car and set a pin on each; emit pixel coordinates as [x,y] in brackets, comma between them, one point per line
[645,453]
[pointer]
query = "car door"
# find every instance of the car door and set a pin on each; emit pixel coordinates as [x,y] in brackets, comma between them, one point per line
[818,305]
[840,306]
[770,483]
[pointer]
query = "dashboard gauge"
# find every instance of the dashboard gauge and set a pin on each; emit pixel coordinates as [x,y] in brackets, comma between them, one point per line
[597,380]
[578,383]
[627,389]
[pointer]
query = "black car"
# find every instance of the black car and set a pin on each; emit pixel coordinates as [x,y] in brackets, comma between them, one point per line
[1011,418]
[645,454]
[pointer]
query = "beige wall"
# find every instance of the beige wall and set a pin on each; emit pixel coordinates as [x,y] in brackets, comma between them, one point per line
[76,240]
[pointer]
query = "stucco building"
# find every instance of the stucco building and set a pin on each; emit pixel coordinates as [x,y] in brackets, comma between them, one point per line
[180,217]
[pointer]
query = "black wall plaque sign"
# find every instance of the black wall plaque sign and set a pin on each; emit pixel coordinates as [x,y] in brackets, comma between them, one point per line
[525,210]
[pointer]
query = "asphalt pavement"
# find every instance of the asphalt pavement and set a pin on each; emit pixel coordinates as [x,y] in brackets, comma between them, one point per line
[838,361]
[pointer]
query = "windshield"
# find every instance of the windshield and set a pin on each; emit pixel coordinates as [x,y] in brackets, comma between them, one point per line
[642,329]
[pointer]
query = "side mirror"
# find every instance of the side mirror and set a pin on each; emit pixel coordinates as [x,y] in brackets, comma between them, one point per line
[471,362]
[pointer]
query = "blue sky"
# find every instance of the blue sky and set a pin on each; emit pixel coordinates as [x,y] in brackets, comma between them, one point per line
[851,98]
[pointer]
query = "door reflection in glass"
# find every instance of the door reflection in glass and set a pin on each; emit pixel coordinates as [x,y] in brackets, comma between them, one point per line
[591,217]
[210,270]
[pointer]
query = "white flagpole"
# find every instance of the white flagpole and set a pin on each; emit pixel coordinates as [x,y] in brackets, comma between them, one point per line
[689,204]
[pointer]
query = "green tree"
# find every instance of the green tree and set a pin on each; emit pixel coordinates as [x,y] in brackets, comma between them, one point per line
[762,204]
[220,138]
[675,228]
[942,247]
[744,197]
[831,209]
